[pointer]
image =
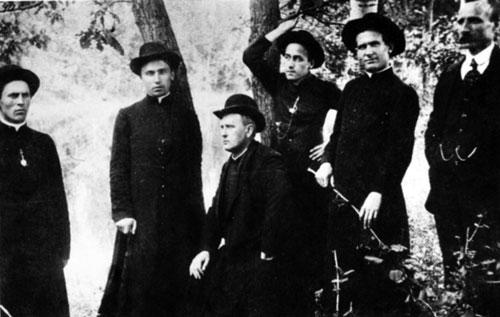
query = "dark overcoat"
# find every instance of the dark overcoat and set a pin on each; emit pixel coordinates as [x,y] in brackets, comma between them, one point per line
[155,176]
[34,225]
[259,220]
[295,135]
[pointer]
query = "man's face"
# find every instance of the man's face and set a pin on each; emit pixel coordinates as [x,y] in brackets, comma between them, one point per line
[295,62]
[372,51]
[157,78]
[235,134]
[15,101]
[474,29]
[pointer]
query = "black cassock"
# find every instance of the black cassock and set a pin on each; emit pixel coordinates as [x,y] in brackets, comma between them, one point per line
[370,150]
[34,225]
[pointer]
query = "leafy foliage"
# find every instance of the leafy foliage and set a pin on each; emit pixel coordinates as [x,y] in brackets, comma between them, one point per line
[101,28]
[17,37]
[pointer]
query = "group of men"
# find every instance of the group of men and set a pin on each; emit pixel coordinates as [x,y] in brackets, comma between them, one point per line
[264,248]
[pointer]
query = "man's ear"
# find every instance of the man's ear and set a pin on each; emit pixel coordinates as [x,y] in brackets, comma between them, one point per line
[250,130]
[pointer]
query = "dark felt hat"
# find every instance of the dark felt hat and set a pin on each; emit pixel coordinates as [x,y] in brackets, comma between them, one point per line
[374,22]
[244,105]
[10,73]
[304,38]
[152,51]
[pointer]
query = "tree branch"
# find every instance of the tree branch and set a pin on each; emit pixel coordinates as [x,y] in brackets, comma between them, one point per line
[13,6]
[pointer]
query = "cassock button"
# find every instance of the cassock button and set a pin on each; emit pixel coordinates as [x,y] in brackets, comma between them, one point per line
[464,115]
[460,130]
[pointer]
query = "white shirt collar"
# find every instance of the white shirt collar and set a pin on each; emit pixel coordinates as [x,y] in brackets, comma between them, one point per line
[16,126]
[482,59]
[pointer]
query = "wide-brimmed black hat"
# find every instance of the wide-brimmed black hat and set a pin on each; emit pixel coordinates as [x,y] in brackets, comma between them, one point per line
[10,73]
[374,22]
[152,51]
[304,38]
[243,105]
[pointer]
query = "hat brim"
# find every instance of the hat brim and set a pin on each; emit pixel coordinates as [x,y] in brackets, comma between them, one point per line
[254,114]
[378,23]
[11,73]
[304,38]
[171,58]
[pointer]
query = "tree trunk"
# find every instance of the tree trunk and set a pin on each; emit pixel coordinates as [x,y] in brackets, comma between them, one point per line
[154,24]
[361,7]
[264,16]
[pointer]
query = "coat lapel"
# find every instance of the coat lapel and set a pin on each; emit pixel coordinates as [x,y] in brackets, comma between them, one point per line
[243,174]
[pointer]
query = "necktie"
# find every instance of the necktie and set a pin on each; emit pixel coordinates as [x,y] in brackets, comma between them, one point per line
[472,75]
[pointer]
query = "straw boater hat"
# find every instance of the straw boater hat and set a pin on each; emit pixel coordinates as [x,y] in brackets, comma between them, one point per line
[244,105]
[10,73]
[374,22]
[304,38]
[153,51]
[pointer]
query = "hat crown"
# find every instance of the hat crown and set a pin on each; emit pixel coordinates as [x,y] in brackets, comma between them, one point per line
[152,48]
[240,100]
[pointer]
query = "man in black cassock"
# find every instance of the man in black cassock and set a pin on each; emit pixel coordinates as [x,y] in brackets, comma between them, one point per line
[156,197]
[301,104]
[34,225]
[369,152]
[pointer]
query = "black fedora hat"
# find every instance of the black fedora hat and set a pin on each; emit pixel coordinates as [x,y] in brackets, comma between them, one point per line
[304,38]
[152,51]
[374,22]
[244,105]
[10,73]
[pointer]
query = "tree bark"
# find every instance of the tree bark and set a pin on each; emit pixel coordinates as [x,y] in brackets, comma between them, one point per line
[264,16]
[361,7]
[154,24]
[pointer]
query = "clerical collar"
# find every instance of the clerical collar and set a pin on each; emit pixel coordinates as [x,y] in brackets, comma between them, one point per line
[16,126]
[379,72]
[160,99]
[236,157]
[482,59]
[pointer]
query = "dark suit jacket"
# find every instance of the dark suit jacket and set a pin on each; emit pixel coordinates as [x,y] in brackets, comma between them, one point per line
[260,211]
[476,181]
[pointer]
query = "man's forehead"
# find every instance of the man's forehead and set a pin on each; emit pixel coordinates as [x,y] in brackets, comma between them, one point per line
[295,49]
[17,85]
[156,64]
[478,8]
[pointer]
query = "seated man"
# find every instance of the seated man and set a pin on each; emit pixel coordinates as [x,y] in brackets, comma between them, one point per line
[250,214]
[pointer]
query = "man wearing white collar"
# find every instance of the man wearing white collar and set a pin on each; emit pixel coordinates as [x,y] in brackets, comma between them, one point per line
[34,225]
[368,153]
[462,141]
[156,198]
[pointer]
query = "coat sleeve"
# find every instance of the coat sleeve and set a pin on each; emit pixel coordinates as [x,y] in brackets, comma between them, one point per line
[120,167]
[60,219]
[212,233]
[278,208]
[192,160]
[394,158]
[253,57]
[329,154]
